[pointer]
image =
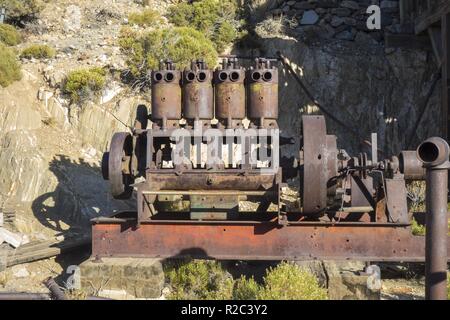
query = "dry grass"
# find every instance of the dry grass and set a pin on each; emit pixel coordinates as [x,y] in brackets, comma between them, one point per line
[275,26]
[5,276]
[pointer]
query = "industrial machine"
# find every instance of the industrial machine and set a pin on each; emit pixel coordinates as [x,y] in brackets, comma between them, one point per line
[213,143]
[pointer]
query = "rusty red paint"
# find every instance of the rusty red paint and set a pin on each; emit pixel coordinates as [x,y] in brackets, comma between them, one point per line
[257,241]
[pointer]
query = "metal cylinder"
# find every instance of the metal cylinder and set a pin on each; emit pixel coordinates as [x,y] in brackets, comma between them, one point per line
[166,93]
[198,94]
[434,153]
[263,91]
[230,91]
[410,166]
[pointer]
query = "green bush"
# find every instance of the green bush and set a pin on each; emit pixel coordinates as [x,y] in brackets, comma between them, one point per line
[180,44]
[448,286]
[289,282]
[147,17]
[82,84]
[16,9]
[9,35]
[217,19]
[246,289]
[38,51]
[208,280]
[417,229]
[204,280]
[420,230]
[9,67]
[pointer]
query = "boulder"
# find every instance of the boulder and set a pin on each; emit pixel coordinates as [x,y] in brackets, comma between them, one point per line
[309,17]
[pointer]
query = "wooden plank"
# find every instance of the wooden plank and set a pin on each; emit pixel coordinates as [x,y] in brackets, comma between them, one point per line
[44,250]
[407,41]
[436,42]
[12,238]
[431,17]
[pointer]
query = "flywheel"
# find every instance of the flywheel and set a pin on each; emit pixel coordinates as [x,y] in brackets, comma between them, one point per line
[318,165]
[116,165]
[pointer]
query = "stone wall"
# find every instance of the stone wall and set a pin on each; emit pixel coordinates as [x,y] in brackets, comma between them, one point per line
[340,19]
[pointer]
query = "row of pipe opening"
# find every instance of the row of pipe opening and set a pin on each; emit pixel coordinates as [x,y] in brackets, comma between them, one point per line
[228,93]
[201,76]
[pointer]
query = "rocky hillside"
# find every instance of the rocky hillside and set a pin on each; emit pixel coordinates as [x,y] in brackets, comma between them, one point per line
[50,149]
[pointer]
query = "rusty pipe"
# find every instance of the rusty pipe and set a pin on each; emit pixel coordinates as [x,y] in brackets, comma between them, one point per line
[54,289]
[234,76]
[21,296]
[15,296]
[434,153]
[169,76]
[223,76]
[157,76]
[411,166]
[256,76]
[190,76]
[201,76]
[267,76]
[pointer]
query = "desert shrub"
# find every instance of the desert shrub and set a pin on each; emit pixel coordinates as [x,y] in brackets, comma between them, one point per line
[417,229]
[208,280]
[217,19]
[82,84]
[180,44]
[246,289]
[420,230]
[9,35]
[147,17]
[204,280]
[9,67]
[38,51]
[19,9]
[288,281]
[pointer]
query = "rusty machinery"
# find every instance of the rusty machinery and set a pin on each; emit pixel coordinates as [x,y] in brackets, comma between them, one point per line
[192,173]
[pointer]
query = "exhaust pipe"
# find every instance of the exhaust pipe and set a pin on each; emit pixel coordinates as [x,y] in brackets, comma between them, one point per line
[434,154]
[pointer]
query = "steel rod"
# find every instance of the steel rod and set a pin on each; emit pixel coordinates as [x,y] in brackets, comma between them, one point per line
[436,235]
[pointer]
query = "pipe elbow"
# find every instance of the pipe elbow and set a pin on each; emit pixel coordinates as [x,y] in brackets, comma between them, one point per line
[433,152]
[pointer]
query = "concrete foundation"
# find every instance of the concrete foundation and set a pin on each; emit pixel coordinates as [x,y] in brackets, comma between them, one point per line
[131,277]
[345,280]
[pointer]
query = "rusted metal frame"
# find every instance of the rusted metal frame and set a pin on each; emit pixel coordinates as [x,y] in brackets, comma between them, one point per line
[131,221]
[190,180]
[264,241]
[210,192]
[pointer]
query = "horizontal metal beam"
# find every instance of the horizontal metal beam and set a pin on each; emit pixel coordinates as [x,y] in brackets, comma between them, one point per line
[208,193]
[263,241]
